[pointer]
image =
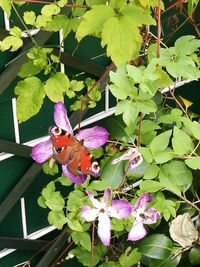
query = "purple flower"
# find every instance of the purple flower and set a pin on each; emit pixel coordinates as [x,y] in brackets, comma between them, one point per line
[142,216]
[103,210]
[92,138]
[133,156]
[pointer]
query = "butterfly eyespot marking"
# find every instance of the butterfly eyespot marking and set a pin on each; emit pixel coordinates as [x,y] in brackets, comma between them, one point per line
[95,167]
[56,131]
[79,168]
[58,150]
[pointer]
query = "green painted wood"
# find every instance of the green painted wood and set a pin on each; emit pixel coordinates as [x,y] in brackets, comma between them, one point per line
[23,243]
[54,250]
[18,190]
[13,148]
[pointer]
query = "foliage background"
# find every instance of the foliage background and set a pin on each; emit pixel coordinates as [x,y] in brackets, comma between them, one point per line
[173,22]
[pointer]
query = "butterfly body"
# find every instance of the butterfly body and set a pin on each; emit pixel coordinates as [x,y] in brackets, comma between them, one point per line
[69,151]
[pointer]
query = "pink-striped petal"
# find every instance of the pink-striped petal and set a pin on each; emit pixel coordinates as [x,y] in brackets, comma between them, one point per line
[120,209]
[106,197]
[125,156]
[150,216]
[93,137]
[42,151]
[61,118]
[104,228]
[96,203]
[89,214]
[142,202]
[77,179]
[137,231]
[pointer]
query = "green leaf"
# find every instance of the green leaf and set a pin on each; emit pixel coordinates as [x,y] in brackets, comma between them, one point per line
[168,181]
[194,255]
[151,172]
[76,85]
[56,202]
[84,256]
[112,174]
[75,200]
[122,86]
[57,218]
[56,85]
[146,153]
[16,31]
[29,17]
[156,246]
[110,264]
[57,23]
[138,15]
[52,170]
[193,163]
[130,257]
[50,10]
[61,3]
[146,106]
[97,185]
[175,116]
[192,126]
[163,141]
[164,156]
[30,93]
[82,239]
[129,111]
[64,180]
[41,202]
[95,2]
[134,73]
[41,21]
[177,170]
[11,42]
[28,69]
[191,44]
[114,35]
[150,186]
[117,4]
[181,142]
[48,190]
[172,262]
[93,21]
[6,6]
[74,225]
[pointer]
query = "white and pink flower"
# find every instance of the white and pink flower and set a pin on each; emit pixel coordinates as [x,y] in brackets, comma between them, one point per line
[104,210]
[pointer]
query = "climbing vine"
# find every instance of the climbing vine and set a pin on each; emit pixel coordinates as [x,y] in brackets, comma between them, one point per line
[147,193]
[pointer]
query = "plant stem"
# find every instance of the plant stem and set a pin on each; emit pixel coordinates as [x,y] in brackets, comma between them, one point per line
[95,84]
[139,130]
[92,246]
[158,28]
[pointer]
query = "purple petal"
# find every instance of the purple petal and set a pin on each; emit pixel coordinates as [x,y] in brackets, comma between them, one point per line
[151,216]
[96,203]
[89,214]
[42,151]
[77,179]
[107,197]
[93,137]
[137,231]
[61,118]
[120,209]
[104,228]
[142,202]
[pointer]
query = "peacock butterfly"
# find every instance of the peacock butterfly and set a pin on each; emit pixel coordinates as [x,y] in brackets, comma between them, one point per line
[72,152]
